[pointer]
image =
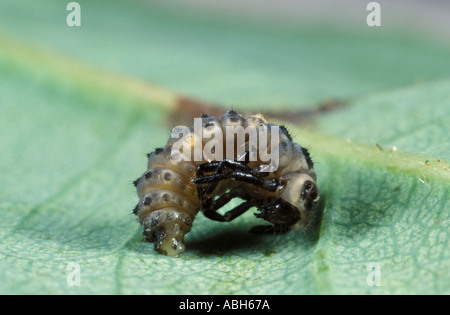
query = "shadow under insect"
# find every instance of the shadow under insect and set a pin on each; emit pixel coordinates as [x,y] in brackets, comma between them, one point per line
[225,238]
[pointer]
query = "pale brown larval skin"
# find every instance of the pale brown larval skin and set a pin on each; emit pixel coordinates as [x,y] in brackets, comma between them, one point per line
[169,201]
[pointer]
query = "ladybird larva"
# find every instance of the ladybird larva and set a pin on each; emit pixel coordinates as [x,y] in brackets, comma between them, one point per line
[210,171]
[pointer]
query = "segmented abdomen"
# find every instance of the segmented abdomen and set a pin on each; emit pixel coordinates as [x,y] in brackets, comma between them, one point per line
[168,201]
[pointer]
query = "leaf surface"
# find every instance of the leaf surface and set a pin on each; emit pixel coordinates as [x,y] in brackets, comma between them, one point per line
[80,109]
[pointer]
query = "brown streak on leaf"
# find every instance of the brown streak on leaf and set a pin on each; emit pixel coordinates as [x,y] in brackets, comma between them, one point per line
[296,116]
[188,108]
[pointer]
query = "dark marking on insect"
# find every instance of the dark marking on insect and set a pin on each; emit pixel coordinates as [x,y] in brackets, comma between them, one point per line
[172,192]
[167,176]
[147,201]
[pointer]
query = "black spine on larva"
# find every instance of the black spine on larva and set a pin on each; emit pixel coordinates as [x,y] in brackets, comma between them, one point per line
[136,209]
[308,158]
[286,132]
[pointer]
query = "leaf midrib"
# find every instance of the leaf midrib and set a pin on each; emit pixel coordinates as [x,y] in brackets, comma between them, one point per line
[139,93]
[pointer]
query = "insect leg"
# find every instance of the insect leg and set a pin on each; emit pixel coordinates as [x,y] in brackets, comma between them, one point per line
[229,164]
[270,184]
[218,170]
[230,215]
[207,167]
[204,193]
[237,211]
[217,167]
[209,209]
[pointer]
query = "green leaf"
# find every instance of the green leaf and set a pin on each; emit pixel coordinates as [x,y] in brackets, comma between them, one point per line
[238,62]
[79,109]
